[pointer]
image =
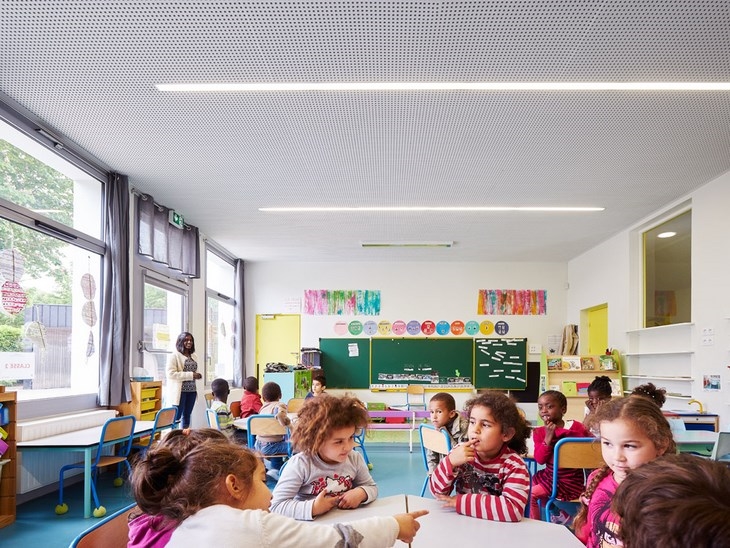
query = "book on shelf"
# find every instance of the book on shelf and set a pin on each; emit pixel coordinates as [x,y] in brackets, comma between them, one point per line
[571,363]
[582,388]
[554,364]
[587,363]
[570,388]
[607,363]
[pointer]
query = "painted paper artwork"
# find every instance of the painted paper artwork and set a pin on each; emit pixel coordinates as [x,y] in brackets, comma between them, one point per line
[341,302]
[512,302]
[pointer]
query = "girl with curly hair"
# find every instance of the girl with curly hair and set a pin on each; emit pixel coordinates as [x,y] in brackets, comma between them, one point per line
[490,477]
[326,472]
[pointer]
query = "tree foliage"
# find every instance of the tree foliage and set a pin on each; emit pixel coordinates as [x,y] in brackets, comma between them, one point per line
[26,181]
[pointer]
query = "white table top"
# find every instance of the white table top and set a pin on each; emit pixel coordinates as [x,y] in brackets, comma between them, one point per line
[694,436]
[80,438]
[443,527]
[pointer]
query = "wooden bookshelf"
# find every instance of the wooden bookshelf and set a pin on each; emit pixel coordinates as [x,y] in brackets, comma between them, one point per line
[146,400]
[567,373]
[9,470]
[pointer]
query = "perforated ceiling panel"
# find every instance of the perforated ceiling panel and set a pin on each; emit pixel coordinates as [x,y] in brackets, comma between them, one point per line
[88,69]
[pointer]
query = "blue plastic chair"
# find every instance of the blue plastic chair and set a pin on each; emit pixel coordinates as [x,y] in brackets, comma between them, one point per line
[582,453]
[111,531]
[164,419]
[266,425]
[435,440]
[118,431]
[360,444]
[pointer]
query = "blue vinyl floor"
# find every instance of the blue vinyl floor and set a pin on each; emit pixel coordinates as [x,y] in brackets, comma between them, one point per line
[394,469]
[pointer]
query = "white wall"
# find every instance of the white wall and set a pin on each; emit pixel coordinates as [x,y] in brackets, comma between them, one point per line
[409,291]
[610,273]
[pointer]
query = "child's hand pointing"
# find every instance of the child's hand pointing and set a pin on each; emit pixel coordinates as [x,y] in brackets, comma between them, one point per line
[407,524]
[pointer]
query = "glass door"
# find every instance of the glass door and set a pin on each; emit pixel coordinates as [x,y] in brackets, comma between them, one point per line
[164,319]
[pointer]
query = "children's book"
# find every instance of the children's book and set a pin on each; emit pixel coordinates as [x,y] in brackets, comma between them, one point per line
[571,363]
[587,363]
[570,388]
[582,388]
[607,363]
[554,364]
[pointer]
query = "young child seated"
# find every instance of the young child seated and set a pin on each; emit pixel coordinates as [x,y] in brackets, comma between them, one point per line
[221,390]
[490,477]
[551,406]
[442,407]
[217,491]
[250,401]
[277,444]
[326,472]
[675,501]
[319,384]
[633,432]
[152,528]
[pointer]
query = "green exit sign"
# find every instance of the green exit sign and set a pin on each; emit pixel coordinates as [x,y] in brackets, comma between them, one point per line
[176,219]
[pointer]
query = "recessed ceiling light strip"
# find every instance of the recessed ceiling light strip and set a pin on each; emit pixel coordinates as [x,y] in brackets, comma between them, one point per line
[303,209]
[473,86]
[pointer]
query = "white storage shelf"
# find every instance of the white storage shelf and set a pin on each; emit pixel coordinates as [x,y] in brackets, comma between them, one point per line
[662,355]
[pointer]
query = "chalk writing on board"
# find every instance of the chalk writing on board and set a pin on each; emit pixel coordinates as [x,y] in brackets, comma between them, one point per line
[501,363]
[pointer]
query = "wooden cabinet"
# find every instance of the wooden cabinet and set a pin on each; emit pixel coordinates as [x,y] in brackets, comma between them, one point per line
[9,469]
[571,375]
[146,400]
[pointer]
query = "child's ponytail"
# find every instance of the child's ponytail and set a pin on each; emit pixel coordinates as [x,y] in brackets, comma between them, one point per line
[582,516]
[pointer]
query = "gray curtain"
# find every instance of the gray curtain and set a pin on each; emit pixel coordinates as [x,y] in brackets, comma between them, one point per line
[239,333]
[114,385]
[175,248]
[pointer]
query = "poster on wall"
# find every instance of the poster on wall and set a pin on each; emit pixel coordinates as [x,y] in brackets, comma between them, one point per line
[342,302]
[512,302]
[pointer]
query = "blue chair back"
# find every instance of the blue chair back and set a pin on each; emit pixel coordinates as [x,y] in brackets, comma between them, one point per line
[435,440]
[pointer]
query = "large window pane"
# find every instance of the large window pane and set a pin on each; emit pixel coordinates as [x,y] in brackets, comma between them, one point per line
[219,274]
[668,272]
[33,177]
[220,340]
[49,318]
[163,322]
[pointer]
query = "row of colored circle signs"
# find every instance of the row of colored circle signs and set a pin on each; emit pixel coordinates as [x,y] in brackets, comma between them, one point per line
[414,327]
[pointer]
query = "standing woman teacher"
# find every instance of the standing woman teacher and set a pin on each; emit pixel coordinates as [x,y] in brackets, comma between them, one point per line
[182,372]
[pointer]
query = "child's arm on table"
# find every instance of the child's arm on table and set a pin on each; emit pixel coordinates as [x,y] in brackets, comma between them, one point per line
[364,489]
[284,501]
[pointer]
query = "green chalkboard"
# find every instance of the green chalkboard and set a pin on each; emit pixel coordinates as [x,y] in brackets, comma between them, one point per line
[346,366]
[418,360]
[500,363]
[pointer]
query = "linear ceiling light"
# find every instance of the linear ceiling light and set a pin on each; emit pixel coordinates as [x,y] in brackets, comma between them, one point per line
[425,208]
[407,244]
[476,86]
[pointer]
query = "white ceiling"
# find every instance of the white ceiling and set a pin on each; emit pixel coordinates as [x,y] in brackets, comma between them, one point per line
[88,69]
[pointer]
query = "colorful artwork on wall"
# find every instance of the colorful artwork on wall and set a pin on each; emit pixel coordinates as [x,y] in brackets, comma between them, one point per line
[512,302]
[341,302]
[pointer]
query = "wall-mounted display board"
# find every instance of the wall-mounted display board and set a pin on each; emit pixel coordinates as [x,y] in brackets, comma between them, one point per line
[500,364]
[400,361]
[346,362]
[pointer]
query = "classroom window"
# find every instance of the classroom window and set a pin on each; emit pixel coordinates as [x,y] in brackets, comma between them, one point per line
[668,271]
[164,305]
[50,271]
[220,341]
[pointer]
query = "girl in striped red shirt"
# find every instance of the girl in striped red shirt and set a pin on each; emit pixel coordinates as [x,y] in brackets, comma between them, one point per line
[490,477]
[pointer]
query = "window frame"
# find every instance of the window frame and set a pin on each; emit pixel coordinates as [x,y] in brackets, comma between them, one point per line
[14,213]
